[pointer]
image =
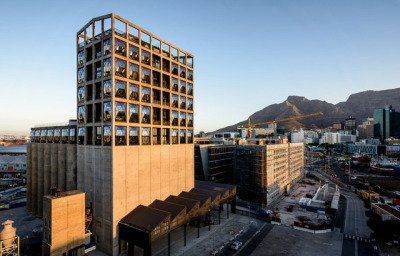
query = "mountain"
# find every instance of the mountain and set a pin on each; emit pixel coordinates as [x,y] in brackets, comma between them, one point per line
[359,105]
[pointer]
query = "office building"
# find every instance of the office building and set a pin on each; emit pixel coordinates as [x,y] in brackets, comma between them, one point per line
[386,123]
[366,129]
[350,125]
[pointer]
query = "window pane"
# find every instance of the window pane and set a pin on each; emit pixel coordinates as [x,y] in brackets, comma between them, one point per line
[64,136]
[120,47]
[190,89]
[120,67]
[145,40]
[81,114]
[174,102]
[156,45]
[174,82]
[174,53]
[120,108]
[107,89]
[182,119]
[107,65]
[81,39]
[182,58]
[182,101]
[72,135]
[182,86]
[97,29]
[81,135]
[133,136]
[165,49]
[120,28]
[145,94]
[182,72]
[133,113]
[174,136]
[50,134]
[190,104]
[133,52]
[190,136]
[133,71]
[174,69]
[81,57]
[120,135]
[81,94]
[89,34]
[190,61]
[107,112]
[107,26]
[81,75]
[145,57]
[190,75]
[190,119]
[107,46]
[107,135]
[174,118]
[146,75]
[133,35]
[120,89]
[133,91]
[57,134]
[145,136]
[145,115]
[182,136]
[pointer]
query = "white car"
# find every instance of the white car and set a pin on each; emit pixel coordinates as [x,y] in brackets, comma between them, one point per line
[236,245]
[354,177]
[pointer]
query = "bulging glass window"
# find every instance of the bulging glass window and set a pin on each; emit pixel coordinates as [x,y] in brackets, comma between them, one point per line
[81,94]
[190,75]
[57,135]
[145,57]
[107,66]
[165,49]
[190,61]
[145,115]
[133,113]
[81,57]
[174,53]
[120,114]
[190,119]
[120,28]
[146,75]
[37,136]
[43,136]
[107,89]
[81,114]
[120,89]
[133,34]
[64,136]
[107,135]
[50,134]
[190,104]
[182,101]
[107,46]
[182,58]
[72,136]
[145,94]
[166,81]
[81,135]
[174,133]
[145,40]
[175,120]
[182,86]
[190,136]
[174,102]
[182,119]
[133,53]
[107,112]
[156,45]
[133,91]
[190,89]
[145,136]
[81,75]
[174,69]
[182,136]
[120,47]
[120,135]
[133,72]
[133,136]
[182,72]
[120,67]
[174,82]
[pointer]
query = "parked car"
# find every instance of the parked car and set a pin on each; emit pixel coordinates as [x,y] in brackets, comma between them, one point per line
[38,230]
[236,245]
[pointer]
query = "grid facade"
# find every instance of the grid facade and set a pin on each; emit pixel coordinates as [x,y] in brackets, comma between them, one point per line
[133,88]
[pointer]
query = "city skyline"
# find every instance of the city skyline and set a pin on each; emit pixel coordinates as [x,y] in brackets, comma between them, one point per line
[317,50]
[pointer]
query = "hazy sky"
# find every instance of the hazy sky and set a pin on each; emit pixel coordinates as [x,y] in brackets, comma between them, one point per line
[247,54]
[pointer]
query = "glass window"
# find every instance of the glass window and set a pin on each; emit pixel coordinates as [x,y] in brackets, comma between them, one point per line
[165,49]
[182,101]
[190,75]
[156,62]
[134,35]
[89,34]
[133,52]
[182,119]
[190,89]
[182,86]
[174,54]
[81,114]
[32,135]
[145,136]
[107,46]
[72,135]
[97,29]
[107,66]
[165,65]
[64,136]
[174,101]
[81,75]
[57,135]
[107,135]
[145,94]
[120,67]
[107,89]
[190,61]
[107,26]
[133,136]
[165,98]
[145,40]
[81,135]
[190,104]
[174,69]
[81,94]
[120,114]
[120,89]
[165,136]
[182,136]
[165,117]
[182,72]
[174,84]
[145,57]
[50,134]
[182,58]
[156,136]
[81,57]
[98,132]
[107,112]
[156,45]
[166,81]
[133,113]
[133,71]
[120,135]
[174,136]
[120,47]
[190,119]
[156,96]
[156,78]
[174,118]
[157,116]
[81,39]
[190,136]
[43,136]
[145,115]
[146,75]
[133,91]
[37,136]
[120,28]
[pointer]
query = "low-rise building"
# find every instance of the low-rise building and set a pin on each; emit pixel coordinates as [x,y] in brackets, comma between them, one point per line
[386,212]
[12,166]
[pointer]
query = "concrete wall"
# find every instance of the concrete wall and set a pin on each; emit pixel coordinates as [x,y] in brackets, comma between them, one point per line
[29,177]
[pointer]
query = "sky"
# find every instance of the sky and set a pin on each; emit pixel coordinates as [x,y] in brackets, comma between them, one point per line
[247,54]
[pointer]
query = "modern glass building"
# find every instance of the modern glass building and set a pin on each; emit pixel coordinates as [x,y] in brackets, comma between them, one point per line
[386,123]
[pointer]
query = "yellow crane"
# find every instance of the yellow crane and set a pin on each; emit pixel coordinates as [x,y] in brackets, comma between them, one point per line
[250,125]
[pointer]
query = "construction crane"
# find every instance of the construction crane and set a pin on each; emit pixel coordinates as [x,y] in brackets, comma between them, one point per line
[250,125]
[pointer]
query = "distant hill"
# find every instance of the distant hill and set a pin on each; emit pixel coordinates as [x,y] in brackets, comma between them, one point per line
[359,105]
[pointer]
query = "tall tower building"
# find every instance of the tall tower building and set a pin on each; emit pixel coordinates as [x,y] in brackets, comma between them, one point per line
[386,123]
[135,120]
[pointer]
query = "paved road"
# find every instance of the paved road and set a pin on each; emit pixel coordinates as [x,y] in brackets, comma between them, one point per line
[255,241]
[356,219]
